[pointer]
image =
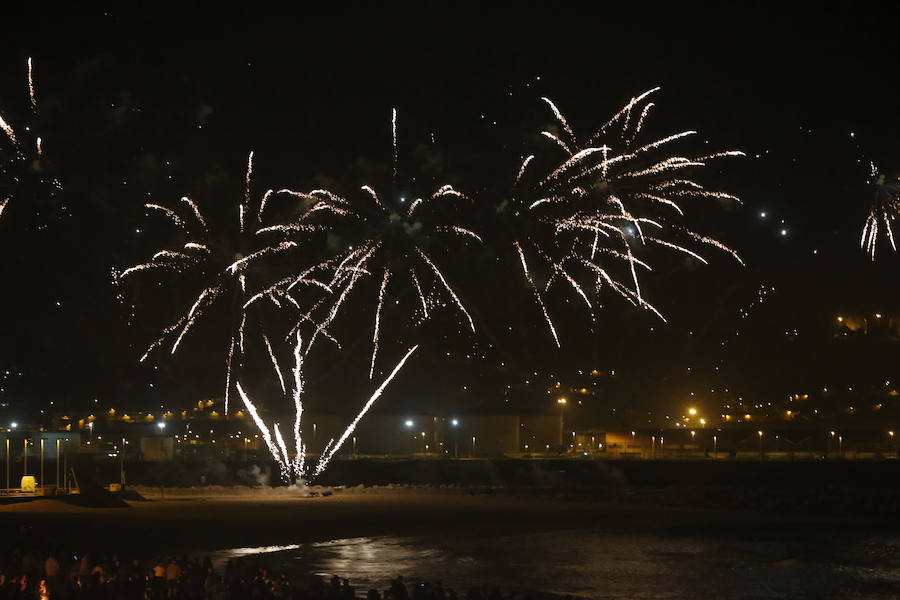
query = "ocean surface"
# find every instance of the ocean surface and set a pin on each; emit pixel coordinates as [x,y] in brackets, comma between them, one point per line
[598,564]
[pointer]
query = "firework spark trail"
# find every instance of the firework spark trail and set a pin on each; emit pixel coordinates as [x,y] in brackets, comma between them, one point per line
[228,362]
[558,141]
[194,312]
[196,210]
[885,207]
[394,141]
[7,128]
[31,95]
[525,162]
[168,212]
[537,294]
[242,263]
[300,459]
[460,230]
[286,459]
[412,274]
[448,288]
[263,429]
[384,283]
[562,121]
[330,450]
[274,362]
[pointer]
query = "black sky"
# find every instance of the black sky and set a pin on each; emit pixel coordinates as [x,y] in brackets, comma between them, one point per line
[155,104]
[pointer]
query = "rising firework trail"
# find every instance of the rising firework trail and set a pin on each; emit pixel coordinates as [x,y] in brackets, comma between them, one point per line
[332,447]
[586,208]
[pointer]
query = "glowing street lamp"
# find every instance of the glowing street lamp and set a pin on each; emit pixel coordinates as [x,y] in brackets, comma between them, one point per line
[692,411]
[561,402]
[760,434]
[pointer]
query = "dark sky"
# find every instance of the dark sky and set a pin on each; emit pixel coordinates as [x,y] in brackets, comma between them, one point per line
[145,106]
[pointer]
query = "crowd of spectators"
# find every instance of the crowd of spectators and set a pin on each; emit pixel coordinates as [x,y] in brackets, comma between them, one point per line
[34,576]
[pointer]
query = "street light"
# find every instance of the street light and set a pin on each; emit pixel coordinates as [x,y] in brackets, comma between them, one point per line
[122,466]
[715,447]
[561,402]
[57,463]
[760,433]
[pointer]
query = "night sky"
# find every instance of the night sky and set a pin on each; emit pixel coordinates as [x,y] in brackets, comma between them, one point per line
[137,107]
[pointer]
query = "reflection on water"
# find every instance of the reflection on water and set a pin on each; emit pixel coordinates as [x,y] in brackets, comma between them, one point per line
[595,564]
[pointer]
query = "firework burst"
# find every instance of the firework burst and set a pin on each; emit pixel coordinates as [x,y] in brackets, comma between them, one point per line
[884,211]
[385,239]
[226,262]
[393,241]
[587,207]
[22,155]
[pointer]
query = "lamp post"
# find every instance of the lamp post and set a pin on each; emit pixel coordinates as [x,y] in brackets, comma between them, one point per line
[829,444]
[42,463]
[7,463]
[760,433]
[57,463]
[66,470]
[561,402]
[122,466]
[473,446]
[715,447]
[25,463]
[841,446]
